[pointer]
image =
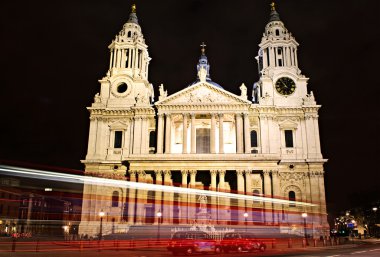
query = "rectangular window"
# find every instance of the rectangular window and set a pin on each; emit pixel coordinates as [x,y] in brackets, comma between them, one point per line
[203,140]
[118,139]
[288,138]
[280,62]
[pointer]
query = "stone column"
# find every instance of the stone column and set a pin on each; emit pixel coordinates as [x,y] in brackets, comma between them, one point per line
[214,206]
[239,133]
[111,57]
[132,196]
[241,203]
[247,134]
[222,203]
[276,194]
[268,194]
[192,197]
[137,135]
[160,133]
[168,199]
[158,195]
[184,196]
[213,179]
[248,191]
[193,137]
[315,197]
[221,136]
[141,199]
[184,136]
[212,136]
[168,134]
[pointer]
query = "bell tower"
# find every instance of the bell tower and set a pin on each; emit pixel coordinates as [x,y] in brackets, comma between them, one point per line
[281,82]
[122,116]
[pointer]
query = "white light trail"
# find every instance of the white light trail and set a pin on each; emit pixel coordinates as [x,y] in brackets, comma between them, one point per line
[47,175]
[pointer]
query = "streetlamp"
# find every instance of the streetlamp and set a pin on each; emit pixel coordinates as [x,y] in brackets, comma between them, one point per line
[159,215]
[304,216]
[101,215]
[245,217]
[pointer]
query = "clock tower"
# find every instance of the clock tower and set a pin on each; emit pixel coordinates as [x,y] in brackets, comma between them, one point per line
[281,81]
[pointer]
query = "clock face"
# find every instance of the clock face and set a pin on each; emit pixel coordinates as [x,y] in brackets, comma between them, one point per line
[285,86]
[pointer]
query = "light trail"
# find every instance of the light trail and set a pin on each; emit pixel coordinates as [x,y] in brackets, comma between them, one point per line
[47,175]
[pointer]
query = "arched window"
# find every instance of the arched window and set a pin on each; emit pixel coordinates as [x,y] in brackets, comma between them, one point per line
[292,197]
[253,138]
[115,199]
[277,32]
[129,34]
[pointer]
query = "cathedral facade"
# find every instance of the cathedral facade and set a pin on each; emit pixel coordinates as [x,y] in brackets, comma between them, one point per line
[264,143]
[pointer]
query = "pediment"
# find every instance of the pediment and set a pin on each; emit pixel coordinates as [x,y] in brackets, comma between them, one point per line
[202,93]
[288,124]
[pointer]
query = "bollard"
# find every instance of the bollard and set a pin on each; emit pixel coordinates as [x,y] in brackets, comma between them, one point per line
[303,242]
[315,243]
[324,242]
[290,243]
[14,245]
[38,245]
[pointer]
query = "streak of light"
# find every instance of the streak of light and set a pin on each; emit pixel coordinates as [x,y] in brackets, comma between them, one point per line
[47,175]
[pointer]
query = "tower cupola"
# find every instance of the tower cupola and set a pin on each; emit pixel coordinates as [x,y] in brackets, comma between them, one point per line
[129,53]
[203,68]
[278,48]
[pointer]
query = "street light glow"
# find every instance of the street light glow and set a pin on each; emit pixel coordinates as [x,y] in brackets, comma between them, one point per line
[159,214]
[245,214]
[101,214]
[304,215]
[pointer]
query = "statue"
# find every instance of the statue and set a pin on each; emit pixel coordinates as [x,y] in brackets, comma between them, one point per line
[151,93]
[255,93]
[243,91]
[163,93]
[202,204]
[97,98]
[202,74]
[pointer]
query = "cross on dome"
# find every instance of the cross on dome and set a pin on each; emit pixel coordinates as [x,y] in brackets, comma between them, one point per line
[203,49]
[133,8]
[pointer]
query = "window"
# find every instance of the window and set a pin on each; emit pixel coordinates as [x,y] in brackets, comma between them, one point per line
[115,199]
[277,32]
[292,197]
[288,138]
[280,62]
[203,140]
[152,139]
[129,34]
[118,139]
[253,138]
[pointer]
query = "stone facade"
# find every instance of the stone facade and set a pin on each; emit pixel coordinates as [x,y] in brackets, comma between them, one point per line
[263,142]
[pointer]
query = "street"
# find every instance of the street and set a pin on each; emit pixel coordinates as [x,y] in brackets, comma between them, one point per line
[360,248]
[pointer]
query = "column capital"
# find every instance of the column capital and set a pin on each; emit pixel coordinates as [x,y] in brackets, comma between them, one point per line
[141,173]
[245,114]
[213,114]
[184,172]
[132,172]
[275,172]
[266,172]
[247,171]
[193,172]
[239,172]
[192,115]
[160,114]
[238,114]
[158,172]
[222,172]
[213,172]
[167,172]
[221,115]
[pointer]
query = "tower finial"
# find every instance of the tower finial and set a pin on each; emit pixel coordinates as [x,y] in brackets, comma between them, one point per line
[203,49]
[273,6]
[133,8]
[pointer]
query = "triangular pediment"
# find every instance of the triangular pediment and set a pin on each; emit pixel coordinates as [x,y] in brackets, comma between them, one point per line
[202,93]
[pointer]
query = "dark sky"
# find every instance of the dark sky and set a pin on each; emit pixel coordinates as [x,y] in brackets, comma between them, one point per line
[53,53]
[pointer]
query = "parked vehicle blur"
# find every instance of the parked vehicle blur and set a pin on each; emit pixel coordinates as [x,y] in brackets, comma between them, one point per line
[242,242]
[190,242]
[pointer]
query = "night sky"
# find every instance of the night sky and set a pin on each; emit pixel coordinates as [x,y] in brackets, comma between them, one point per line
[53,53]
